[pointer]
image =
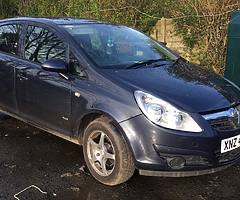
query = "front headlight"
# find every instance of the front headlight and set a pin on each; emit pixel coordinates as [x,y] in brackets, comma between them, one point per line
[164,114]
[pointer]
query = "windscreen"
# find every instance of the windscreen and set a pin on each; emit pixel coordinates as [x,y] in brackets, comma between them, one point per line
[112,46]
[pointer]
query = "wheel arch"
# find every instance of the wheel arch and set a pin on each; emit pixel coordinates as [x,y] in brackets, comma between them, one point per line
[90,116]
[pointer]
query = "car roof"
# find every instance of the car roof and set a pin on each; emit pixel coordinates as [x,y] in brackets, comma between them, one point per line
[55,20]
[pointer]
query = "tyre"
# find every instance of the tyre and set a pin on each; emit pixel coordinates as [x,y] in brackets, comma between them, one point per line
[106,153]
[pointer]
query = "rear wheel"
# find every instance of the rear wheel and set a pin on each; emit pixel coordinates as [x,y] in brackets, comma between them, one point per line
[106,153]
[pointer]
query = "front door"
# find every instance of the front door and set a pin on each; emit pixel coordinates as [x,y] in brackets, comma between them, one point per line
[43,97]
[9,44]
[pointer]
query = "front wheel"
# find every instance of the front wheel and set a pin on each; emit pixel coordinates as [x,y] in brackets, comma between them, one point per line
[106,153]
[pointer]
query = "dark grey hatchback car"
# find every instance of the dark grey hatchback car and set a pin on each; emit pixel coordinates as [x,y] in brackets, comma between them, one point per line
[129,100]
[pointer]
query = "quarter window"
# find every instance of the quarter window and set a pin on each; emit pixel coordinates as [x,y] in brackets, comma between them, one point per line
[42,45]
[75,67]
[9,38]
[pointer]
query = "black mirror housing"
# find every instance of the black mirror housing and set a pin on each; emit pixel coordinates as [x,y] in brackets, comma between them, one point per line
[163,43]
[55,65]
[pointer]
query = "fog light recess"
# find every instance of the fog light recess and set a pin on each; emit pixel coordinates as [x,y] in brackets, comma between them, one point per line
[176,162]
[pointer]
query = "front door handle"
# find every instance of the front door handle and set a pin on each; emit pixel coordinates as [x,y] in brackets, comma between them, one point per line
[22,77]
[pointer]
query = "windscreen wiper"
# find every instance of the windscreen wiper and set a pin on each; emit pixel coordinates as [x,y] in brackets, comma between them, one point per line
[143,63]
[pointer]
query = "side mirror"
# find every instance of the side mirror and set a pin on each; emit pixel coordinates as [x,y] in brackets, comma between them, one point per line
[55,65]
[162,43]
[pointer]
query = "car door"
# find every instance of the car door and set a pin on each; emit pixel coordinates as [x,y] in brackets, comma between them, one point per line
[43,97]
[9,58]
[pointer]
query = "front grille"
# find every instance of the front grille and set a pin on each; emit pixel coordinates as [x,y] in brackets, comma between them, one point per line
[224,124]
[228,156]
[228,120]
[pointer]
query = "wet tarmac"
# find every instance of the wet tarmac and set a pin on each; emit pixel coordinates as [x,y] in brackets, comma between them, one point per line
[29,156]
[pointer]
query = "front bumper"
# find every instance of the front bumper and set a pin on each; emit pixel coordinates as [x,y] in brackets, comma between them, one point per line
[153,147]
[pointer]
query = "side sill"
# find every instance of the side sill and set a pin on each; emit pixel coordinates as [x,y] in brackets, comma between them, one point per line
[61,135]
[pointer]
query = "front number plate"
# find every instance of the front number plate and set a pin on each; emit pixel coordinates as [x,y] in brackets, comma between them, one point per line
[230,144]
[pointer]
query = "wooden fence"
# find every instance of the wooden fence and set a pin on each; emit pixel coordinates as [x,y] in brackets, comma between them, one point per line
[164,32]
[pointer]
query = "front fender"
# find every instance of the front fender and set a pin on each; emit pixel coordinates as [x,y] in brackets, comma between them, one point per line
[117,103]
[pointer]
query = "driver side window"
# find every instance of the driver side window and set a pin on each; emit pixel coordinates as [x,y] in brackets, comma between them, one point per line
[42,45]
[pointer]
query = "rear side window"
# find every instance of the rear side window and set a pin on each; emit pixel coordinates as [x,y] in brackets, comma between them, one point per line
[42,45]
[9,38]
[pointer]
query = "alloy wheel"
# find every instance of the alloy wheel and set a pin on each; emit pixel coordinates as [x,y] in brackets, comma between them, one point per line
[101,153]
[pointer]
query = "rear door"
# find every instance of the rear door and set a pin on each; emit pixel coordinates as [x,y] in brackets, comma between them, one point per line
[9,59]
[43,97]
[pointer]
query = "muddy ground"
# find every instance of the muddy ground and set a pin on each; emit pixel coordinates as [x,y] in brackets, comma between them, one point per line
[32,157]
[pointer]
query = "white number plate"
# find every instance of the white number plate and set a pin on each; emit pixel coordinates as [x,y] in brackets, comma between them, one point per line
[230,144]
